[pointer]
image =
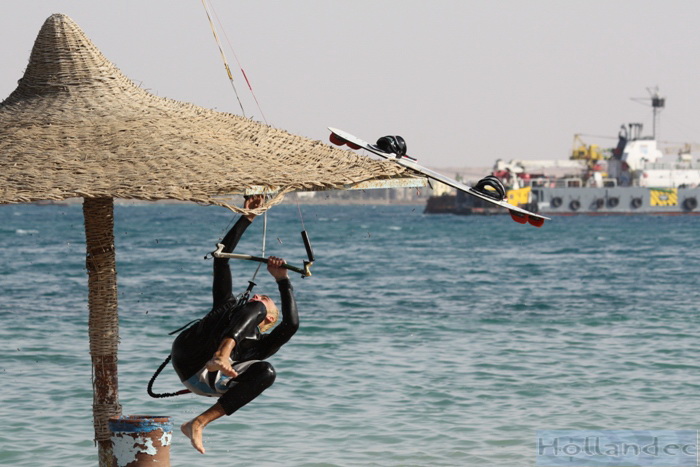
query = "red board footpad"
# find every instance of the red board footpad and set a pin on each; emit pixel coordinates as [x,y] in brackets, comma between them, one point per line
[352,145]
[519,218]
[536,221]
[337,140]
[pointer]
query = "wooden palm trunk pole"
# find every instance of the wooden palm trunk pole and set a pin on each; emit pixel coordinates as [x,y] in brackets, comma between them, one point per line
[104,319]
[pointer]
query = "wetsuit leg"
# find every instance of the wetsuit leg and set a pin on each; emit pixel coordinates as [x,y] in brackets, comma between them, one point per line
[222,287]
[249,385]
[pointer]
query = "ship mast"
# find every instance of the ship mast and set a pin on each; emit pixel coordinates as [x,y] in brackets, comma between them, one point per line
[658,103]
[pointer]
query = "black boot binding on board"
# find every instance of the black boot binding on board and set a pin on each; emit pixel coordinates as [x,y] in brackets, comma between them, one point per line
[498,191]
[392,144]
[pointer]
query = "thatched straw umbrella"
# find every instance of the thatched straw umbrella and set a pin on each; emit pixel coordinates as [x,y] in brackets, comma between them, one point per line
[77,127]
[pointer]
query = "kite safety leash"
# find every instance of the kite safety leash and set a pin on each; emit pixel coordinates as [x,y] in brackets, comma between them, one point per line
[155,395]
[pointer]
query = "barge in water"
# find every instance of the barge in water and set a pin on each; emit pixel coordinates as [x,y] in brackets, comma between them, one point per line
[632,178]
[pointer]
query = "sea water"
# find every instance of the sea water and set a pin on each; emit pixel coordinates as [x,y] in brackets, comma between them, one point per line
[425,339]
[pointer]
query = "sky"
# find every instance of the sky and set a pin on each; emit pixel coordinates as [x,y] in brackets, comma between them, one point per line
[465,82]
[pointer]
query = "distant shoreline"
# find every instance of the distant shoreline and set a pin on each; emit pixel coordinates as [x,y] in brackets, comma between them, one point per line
[391,196]
[304,201]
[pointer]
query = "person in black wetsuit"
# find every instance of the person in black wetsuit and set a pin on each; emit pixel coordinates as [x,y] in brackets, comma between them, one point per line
[223,354]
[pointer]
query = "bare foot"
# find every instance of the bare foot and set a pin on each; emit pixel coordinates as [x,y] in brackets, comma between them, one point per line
[219,364]
[194,433]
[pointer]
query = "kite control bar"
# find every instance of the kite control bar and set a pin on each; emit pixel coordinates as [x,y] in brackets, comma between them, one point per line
[304,271]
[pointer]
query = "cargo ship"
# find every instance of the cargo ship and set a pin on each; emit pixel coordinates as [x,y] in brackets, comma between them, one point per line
[635,177]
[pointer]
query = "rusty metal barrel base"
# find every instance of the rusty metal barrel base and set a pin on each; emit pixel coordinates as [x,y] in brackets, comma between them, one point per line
[139,440]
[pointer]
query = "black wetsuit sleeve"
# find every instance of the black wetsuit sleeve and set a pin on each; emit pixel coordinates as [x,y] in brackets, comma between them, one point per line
[223,286]
[289,325]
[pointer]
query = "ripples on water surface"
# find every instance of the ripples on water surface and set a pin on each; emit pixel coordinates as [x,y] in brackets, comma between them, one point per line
[425,340]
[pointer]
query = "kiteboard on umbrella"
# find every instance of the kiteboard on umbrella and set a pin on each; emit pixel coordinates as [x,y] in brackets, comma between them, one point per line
[393,148]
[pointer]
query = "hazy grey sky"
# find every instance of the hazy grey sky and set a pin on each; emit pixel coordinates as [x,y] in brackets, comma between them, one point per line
[464,82]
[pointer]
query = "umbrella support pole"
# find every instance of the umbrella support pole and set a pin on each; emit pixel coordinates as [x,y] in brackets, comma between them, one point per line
[103,319]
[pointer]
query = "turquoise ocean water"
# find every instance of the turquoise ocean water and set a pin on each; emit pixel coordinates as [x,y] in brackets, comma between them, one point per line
[424,340]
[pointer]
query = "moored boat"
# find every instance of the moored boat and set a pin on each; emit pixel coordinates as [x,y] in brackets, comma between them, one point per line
[633,178]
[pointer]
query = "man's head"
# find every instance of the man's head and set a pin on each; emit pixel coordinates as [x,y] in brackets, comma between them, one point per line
[272,312]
